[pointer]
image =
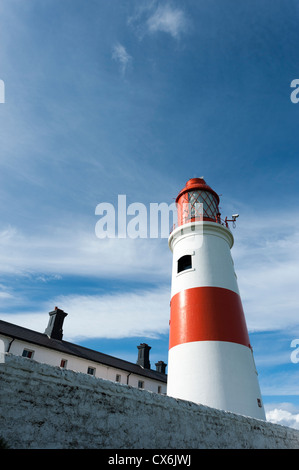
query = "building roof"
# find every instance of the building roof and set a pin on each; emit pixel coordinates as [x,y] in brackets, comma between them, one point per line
[41,339]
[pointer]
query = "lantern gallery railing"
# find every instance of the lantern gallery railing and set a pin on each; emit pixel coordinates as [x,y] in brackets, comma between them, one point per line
[188,220]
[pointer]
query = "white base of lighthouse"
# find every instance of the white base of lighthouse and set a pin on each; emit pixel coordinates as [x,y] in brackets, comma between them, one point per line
[218,374]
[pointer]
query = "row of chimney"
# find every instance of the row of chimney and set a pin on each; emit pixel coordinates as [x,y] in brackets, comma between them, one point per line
[54,331]
[143,359]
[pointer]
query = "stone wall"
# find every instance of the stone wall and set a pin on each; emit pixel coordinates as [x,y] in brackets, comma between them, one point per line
[45,407]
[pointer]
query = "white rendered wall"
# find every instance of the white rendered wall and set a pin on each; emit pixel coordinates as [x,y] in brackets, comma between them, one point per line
[44,407]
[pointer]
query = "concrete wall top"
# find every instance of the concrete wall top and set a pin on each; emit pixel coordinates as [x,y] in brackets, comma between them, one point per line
[45,407]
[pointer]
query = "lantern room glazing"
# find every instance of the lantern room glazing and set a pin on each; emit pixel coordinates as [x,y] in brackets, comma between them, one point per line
[197,201]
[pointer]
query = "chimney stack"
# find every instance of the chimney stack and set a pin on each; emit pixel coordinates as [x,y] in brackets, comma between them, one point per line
[161,367]
[143,356]
[54,328]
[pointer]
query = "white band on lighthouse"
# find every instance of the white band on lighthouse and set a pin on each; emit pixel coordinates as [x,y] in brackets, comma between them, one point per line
[210,357]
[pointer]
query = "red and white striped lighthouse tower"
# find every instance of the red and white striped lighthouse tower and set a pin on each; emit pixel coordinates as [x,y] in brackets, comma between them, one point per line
[210,358]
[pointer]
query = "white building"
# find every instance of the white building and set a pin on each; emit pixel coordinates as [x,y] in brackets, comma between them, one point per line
[50,348]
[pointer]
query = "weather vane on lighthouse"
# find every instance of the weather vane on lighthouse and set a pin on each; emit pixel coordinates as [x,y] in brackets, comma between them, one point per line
[210,357]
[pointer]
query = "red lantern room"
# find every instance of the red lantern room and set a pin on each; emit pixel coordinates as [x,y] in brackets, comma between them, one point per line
[197,192]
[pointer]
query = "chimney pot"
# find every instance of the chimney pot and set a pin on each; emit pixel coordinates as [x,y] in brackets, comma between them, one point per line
[54,329]
[143,356]
[161,367]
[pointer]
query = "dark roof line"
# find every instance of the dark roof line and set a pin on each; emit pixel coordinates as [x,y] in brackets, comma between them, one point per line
[41,339]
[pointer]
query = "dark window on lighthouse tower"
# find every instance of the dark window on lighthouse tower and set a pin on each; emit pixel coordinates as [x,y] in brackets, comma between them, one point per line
[185,262]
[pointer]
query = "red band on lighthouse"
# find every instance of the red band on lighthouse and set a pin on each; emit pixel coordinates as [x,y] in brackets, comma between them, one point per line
[207,314]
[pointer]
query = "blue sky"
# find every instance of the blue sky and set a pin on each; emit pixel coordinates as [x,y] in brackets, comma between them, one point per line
[136,97]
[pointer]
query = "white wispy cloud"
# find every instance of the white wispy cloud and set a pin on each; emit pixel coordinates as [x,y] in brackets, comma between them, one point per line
[120,55]
[266,263]
[113,315]
[266,256]
[167,19]
[5,294]
[284,414]
[74,250]
[154,17]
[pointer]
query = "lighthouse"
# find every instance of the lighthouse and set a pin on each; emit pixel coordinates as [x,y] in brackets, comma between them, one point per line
[210,359]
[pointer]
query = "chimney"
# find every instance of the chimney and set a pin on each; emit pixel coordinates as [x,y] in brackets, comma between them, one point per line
[143,356]
[54,328]
[161,367]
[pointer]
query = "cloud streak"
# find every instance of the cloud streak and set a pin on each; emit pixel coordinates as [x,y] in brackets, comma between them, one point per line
[120,55]
[283,414]
[266,263]
[159,18]
[77,251]
[167,19]
[113,315]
